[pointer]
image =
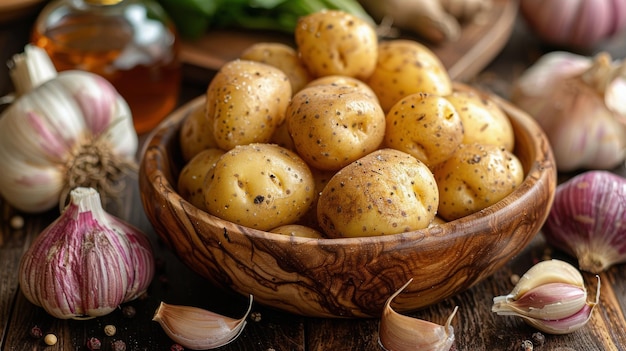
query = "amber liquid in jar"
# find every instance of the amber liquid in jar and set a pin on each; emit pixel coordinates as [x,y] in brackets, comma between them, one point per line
[140,59]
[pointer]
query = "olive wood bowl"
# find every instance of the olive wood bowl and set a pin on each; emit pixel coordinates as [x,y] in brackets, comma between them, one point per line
[349,277]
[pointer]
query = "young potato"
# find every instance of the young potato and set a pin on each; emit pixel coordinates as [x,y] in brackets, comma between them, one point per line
[343,81]
[191,177]
[246,102]
[424,125]
[483,120]
[385,192]
[283,57]
[297,230]
[332,125]
[261,186]
[406,67]
[196,133]
[333,42]
[474,177]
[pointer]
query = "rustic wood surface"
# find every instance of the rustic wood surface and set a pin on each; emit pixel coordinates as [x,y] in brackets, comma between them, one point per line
[476,327]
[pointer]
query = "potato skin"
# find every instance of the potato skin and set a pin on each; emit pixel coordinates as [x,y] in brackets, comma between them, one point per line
[424,125]
[332,42]
[298,230]
[474,177]
[192,176]
[260,186]
[385,192]
[332,126]
[246,102]
[283,57]
[406,67]
[196,134]
[483,120]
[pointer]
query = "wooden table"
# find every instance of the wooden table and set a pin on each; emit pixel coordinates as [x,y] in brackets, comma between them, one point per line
[476,327]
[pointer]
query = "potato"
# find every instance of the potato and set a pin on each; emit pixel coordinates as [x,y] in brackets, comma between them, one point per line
[333,42]
[260,186]
[282,137]
[283,57]
[332,126]
[424,125]
[191,177]
[343,81]
[406,67]
[483,120]
[385,192]
[298,230]
[246,102]
[474,177]
[196,133]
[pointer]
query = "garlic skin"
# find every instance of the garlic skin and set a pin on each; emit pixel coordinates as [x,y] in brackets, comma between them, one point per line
[403,333]
[198,329]
[574,23]
[58,128]
[551,296]
[579,103]
[86,262]
[588,220]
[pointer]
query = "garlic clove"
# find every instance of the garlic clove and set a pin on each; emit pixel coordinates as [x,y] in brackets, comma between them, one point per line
[568,324]
[199,329]
[552,300]
[399,332]
[545,272]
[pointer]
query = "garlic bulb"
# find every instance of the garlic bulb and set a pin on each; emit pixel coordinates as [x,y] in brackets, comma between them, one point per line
[399,332]
[198,329]
[574,23]
[551,296]
[62,131]
[588,220]
[580,103]
[87,262]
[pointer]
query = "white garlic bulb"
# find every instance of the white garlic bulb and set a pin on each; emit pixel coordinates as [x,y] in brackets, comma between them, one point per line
[580,103]
[62,131]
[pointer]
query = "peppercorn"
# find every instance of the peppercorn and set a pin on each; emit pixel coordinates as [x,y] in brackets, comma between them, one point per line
[118,345]
[109,330]
[94,344]
[538,338]
[35,332]
[128,311]
[50,339]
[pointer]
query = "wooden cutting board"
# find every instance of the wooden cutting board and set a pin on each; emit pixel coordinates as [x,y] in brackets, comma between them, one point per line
[479,43]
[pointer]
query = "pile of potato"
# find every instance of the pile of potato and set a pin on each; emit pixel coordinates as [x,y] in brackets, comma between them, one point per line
[343,136]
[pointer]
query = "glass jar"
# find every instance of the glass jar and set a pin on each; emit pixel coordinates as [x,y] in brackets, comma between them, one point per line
[132,43]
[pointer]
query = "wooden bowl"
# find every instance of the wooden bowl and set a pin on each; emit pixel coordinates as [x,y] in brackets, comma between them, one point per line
[351,277]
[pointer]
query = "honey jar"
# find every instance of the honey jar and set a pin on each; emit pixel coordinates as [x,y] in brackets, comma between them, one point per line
[132,43]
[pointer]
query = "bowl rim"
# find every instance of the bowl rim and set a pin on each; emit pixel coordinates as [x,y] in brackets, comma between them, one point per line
[539,185]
